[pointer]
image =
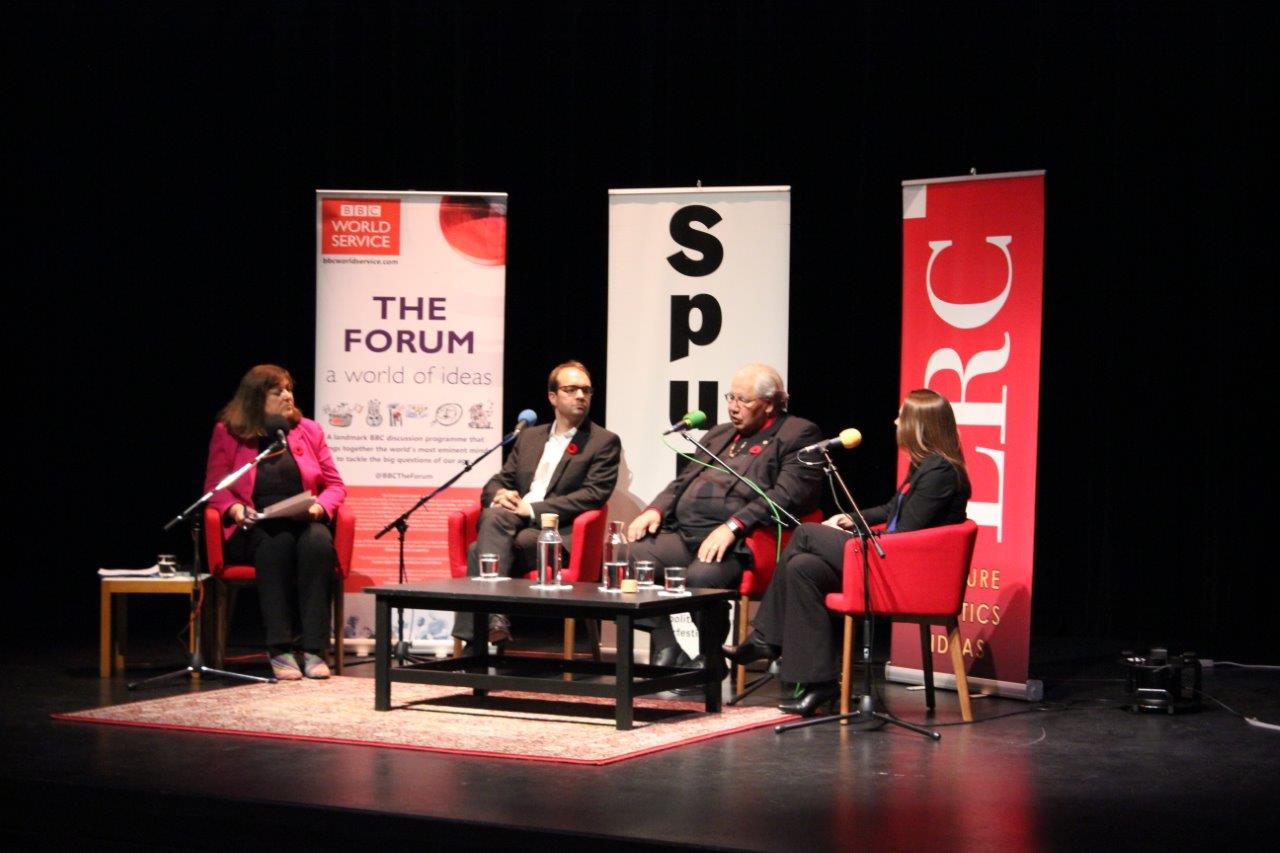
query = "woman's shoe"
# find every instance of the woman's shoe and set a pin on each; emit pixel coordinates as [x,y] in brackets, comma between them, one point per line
[815,696]
[754,649]
[313,666]
[285,667]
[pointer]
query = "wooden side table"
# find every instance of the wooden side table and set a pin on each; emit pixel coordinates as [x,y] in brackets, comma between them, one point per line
[112,621]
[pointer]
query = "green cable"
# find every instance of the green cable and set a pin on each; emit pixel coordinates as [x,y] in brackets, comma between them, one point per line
[773,507]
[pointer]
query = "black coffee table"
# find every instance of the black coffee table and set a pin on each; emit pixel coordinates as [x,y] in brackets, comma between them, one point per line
[622,680]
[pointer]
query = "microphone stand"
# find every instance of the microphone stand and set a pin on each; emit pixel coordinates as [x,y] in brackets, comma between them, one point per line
[867,717]
[195,666]
[401,525]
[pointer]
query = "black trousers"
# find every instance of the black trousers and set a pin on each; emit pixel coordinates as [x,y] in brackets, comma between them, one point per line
[793,613]
[514,538]
[294,562]
[679,548]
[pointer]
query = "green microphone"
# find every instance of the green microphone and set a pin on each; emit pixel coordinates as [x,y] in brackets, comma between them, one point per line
[693,420]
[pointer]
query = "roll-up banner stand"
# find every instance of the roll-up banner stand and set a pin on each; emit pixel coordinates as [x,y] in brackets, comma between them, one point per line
[699,284]
[972,285]
[410,291]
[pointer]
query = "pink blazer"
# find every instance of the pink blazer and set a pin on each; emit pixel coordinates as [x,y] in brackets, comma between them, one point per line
[306,442]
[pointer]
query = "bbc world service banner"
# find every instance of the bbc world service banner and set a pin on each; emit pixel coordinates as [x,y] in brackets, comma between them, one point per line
[410,288]
[972,286]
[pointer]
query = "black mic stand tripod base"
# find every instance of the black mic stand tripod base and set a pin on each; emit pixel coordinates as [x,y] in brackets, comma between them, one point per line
[195,667]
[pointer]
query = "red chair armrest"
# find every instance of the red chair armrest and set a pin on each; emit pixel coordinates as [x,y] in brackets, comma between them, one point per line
[763,545]
[461,532]
[588,546]
[213,562]
[344,539]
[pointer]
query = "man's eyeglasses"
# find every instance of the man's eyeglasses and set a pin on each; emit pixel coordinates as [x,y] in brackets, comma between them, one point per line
[571,390]
[741,401]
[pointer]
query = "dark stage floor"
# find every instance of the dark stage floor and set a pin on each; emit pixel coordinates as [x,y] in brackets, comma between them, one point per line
[1075,771]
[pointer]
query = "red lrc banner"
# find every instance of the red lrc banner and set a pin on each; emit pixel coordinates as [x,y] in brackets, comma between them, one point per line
[972,287]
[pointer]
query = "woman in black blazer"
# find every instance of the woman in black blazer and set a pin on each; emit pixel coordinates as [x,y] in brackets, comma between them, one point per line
[793,622]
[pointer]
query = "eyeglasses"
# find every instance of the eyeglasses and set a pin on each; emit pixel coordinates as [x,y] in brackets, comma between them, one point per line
[732,398]
[571,390]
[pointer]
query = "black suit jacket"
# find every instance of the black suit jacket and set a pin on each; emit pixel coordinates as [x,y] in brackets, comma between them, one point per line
[583,480]
[788,483]
[931,497]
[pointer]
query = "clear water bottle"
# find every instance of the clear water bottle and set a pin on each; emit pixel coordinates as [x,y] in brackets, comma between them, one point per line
[549,551]
[614,568]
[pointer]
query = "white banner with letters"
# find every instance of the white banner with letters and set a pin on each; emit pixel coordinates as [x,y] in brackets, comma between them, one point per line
[410,291]
[699,284]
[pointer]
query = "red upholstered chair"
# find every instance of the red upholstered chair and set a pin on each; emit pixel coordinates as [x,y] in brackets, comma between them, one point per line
[584,560]
[763,545]
[228,579]
[921,579]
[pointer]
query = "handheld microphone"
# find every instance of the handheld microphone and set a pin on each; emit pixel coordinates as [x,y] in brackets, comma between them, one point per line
[693,420]
[848,439]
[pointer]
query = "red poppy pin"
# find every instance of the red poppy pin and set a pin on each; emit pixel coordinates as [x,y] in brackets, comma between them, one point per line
[755,451]
[572,449]
[297,450]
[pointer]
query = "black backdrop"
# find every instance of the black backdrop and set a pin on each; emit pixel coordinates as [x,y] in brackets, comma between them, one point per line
[163,159]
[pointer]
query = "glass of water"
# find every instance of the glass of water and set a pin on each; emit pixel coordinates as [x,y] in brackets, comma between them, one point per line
[488,567]
[644,573]
[674,578]
[612,573]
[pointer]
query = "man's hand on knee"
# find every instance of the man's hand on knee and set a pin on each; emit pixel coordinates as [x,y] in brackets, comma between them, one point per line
[510,500]
[646,523]
[718,541]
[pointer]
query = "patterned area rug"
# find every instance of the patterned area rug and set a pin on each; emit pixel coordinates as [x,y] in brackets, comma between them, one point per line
[530,726]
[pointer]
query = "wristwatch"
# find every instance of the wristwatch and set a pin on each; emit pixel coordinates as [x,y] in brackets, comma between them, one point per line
[735,526]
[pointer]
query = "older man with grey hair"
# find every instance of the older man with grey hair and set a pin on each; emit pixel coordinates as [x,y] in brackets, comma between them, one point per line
[701,518]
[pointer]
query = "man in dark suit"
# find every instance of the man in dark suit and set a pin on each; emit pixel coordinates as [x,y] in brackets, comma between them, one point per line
[700,519]
[566,467]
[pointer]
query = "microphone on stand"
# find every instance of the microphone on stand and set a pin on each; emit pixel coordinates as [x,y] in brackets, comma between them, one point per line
[848,439]
[693,420]
[277,427]
[526,418]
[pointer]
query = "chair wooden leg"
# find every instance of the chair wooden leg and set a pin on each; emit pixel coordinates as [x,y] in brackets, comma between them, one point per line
[120,629]
[957,664]
[221,595]
[740,671]
[457,647]
[570,627]
[846,665]
[339,639]
[926,665]
[106,654]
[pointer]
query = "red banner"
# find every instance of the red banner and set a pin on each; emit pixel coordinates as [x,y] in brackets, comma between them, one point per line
[972,285]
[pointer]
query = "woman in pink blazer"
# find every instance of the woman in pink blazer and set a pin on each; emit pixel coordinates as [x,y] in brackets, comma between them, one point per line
[293,557]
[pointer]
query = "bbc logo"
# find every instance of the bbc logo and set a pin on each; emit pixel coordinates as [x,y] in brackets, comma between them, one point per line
[360,210]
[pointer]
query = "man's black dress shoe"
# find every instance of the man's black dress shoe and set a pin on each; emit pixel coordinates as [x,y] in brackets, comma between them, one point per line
[754,649]
[814,698]
[671,656]
[693,689]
